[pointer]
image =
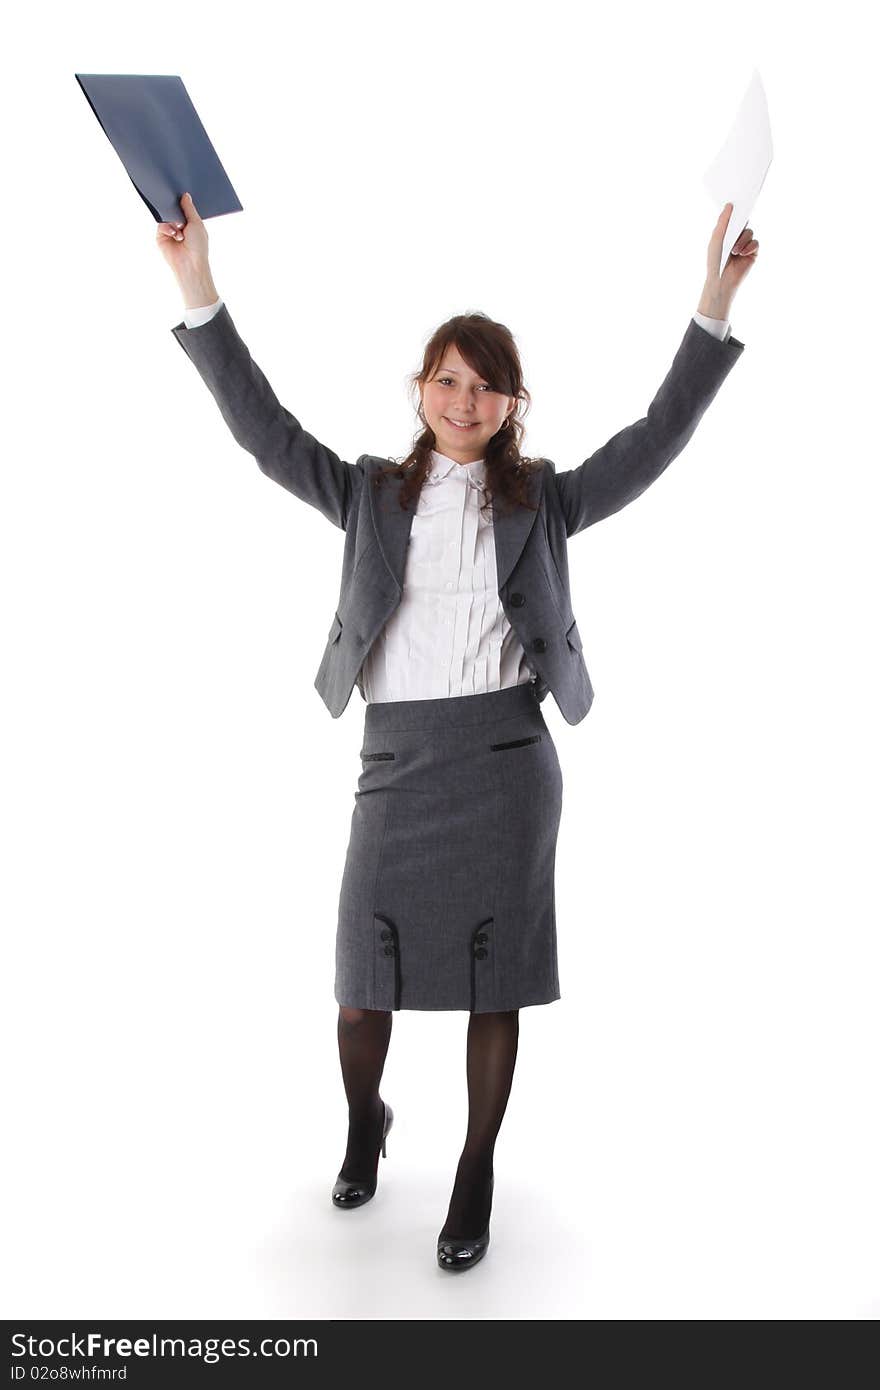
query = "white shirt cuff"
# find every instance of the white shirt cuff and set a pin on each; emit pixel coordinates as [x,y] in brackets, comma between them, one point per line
[719,328]
[194,318]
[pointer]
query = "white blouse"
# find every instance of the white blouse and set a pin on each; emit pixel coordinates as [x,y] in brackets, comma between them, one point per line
[449,634]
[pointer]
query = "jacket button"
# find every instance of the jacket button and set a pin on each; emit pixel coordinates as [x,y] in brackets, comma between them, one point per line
[482,937]
[385,935]
[481,953]
[539,645]
[389,950]
[517,600]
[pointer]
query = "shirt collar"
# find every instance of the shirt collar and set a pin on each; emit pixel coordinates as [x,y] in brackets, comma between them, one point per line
[442,466]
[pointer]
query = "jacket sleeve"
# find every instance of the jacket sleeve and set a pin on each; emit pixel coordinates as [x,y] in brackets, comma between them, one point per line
[632,459]
[285,452]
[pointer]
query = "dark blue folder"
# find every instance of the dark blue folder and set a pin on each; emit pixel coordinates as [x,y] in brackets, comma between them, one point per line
[154,128]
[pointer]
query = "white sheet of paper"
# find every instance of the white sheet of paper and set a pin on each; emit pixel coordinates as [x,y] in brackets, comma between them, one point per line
[740,167]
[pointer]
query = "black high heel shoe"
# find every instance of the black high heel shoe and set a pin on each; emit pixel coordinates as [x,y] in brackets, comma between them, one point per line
[353,1194]
[456,1255]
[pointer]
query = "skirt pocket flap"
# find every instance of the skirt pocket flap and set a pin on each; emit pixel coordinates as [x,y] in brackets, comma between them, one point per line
[515,743]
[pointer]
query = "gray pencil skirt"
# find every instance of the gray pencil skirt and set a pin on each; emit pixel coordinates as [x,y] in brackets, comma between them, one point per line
[447,898]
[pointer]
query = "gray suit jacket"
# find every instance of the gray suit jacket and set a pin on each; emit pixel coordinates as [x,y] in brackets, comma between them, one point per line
[530,547]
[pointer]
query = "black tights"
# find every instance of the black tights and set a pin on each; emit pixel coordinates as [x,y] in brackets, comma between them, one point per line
[492,1040]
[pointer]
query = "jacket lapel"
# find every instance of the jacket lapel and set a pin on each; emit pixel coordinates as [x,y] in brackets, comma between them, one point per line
[391,522]
[513,529]
[393,526]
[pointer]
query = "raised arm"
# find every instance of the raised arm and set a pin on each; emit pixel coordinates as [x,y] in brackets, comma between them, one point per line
[285,452]
[631,460]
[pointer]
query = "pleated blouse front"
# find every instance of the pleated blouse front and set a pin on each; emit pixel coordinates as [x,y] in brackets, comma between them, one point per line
[449,635]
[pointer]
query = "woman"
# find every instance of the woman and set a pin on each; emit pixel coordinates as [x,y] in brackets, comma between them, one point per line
[454,619]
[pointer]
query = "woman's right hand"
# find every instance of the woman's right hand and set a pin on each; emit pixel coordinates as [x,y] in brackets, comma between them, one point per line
[185,244]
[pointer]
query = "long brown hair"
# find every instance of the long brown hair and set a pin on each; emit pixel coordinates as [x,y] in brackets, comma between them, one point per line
[490,350]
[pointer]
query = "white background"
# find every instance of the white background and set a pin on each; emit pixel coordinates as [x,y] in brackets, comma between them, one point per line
[693,1130]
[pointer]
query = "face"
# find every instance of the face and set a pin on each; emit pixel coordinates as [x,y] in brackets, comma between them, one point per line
[455,393]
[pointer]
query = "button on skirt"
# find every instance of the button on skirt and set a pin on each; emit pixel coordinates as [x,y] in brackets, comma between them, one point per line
[447,898]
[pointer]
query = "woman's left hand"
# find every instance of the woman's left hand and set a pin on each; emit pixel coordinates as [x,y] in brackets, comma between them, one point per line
[719,290]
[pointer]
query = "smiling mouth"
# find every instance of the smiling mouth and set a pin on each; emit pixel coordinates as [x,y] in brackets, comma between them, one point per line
[457,426]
